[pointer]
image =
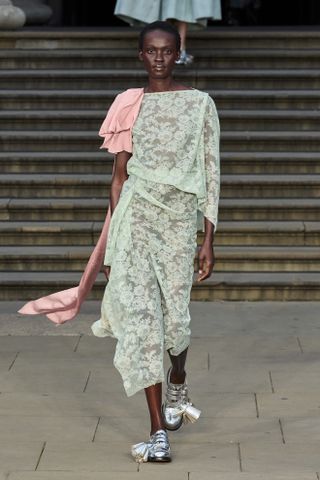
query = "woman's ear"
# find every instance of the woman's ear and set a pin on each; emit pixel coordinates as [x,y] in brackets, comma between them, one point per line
[140,56]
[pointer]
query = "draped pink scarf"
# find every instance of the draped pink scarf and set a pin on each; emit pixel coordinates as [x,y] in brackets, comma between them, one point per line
[117,132]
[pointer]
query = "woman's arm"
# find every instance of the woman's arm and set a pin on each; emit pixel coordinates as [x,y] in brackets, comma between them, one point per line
[210,208]
[119,176]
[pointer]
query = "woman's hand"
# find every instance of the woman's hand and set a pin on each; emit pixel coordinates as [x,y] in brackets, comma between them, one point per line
[206,260]
[206,253]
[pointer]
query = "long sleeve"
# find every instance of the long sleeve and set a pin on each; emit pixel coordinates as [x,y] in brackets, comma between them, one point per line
[211,139]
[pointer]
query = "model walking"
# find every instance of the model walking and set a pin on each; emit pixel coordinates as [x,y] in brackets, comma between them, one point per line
[184,14]
[165,184]
[158,185]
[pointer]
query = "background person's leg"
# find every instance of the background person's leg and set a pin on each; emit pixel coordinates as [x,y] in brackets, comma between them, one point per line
[182,28]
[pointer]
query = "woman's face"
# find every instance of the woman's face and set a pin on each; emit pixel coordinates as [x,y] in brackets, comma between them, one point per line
[159,54]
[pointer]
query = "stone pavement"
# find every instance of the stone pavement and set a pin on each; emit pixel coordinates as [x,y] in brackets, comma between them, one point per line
[253,369]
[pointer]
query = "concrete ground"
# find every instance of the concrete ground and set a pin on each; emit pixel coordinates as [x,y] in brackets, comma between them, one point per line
[253,369]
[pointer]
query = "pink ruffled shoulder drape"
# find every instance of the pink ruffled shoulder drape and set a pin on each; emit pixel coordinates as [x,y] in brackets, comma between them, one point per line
[117,132]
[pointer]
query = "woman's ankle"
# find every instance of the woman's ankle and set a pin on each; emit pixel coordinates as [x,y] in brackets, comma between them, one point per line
[155,428]
[177,377]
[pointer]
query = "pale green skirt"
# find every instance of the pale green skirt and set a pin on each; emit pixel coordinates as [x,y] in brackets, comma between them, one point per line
[151,249]
[195,12]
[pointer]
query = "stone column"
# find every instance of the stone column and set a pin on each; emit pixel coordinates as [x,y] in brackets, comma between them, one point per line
[10,17]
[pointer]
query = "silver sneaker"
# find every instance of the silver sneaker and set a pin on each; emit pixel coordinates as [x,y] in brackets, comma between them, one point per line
[177,407]
[157,449]
[185,58]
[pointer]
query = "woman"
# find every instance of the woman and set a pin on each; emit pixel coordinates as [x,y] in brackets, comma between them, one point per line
[184,13]
[163,174]
[165,184]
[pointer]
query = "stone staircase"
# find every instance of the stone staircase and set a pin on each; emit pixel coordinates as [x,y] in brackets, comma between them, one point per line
[55,88]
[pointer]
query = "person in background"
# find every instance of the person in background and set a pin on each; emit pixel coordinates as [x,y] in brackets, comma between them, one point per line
[184,14]
[243,12]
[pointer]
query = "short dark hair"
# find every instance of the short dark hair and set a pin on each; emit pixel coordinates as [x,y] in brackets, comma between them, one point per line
[164,26]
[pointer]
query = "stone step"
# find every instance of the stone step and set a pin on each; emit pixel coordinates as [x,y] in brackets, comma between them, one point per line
[90,141]
[270,186]
[80,209]
[202,78]
[52,140]
[270,162]
[206,57]
[269,120]
[286,209]
[233,286]
[90,120]
[123,37]
[291,163]
[86,233]
[58,120]
[266,87]
[234,258]
[266,99]
[264,286]
[255,78]
[99,161]
[266,259]
[97,99]
[271,141]
[265,233]
[55,185]
[50,233]
[98,186]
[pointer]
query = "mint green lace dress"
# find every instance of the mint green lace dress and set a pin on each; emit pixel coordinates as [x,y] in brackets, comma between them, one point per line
[173,182]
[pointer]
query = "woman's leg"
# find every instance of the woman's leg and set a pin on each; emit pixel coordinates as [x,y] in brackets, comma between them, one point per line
[185,58]
[177,408]
[178,362]
[154,400]
[182,28]
[157,449]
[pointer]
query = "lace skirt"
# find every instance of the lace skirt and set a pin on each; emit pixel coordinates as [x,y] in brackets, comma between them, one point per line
[152,244]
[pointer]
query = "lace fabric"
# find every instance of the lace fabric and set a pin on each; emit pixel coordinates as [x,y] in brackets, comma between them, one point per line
[176,141]
[173,173]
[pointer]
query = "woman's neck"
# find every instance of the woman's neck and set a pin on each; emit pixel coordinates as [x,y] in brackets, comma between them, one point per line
[162,85]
